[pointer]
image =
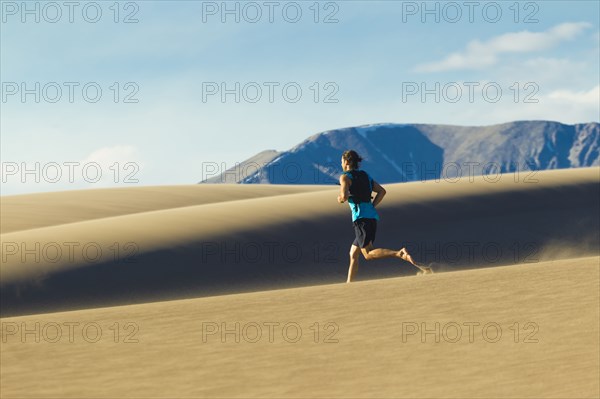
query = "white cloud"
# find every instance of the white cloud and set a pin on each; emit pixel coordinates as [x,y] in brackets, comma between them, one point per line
[117,165]
[590,97]
[480,54]
[550,73]
[596,40]
[107,156]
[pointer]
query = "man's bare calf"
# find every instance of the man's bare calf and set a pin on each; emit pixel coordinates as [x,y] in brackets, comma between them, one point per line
[370,253]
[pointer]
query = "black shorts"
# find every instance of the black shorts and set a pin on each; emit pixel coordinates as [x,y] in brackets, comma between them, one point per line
[365,230]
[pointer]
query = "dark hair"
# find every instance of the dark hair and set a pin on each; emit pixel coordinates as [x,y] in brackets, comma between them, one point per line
[352,157]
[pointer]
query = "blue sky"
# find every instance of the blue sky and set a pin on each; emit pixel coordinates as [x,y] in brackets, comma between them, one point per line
[371,61]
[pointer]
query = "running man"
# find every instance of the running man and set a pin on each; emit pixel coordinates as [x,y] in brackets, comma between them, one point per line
[356,188]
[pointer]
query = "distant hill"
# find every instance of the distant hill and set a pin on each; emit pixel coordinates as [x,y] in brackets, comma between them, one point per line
[409,152]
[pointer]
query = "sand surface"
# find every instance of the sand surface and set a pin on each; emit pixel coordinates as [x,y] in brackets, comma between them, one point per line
[249,238]
[30,211]
[238,291]
[358,340]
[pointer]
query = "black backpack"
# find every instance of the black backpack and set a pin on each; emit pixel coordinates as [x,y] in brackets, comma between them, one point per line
[360,189]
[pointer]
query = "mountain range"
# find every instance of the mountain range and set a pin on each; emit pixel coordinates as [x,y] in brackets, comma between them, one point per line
[394,153]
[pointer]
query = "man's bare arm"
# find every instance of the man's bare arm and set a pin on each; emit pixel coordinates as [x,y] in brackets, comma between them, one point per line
[345,183]
[380,193]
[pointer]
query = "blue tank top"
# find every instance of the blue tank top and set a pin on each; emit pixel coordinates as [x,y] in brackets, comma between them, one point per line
[360,196]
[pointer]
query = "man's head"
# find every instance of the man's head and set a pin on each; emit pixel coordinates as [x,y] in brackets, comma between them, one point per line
[350,160]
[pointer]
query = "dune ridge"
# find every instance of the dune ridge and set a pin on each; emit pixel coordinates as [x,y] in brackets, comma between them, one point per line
[30,211]
[298,237]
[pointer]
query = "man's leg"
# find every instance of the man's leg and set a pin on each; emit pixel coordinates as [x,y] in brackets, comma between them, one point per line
[354,254]
[371,253]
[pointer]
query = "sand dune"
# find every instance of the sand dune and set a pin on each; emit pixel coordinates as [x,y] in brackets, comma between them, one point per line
[526,331]
[291,238]
[29,211]
[526,328]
